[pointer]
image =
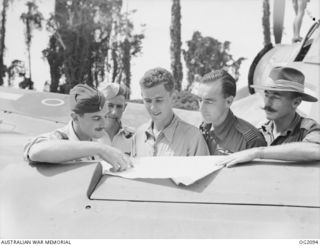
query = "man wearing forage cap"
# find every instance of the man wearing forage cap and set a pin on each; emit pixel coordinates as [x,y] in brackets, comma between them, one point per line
[88,113]
[117,135]
[290,137]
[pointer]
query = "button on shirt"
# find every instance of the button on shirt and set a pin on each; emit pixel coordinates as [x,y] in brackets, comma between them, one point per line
[64,133]
[178,139]
[122,140]
[300,130]
[231,136]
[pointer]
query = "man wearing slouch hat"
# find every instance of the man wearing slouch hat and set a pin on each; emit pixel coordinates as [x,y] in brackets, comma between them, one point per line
[78,139]
[290,137]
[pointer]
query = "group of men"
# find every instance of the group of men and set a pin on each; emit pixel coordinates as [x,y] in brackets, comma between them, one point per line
[96,132]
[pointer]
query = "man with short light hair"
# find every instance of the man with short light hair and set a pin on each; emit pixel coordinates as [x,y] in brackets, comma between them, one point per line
[117,135]
[166,134]
[77,140]
[290,137]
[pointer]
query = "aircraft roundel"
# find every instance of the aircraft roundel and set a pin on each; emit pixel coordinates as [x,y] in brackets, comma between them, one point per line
[47,105]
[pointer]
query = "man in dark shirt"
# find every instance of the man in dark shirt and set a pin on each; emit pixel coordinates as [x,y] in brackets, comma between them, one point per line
[290,137]
[224,132]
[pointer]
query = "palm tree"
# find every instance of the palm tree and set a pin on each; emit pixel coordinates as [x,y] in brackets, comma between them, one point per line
[266,22]
[5,5]
[175,48]
[33,20]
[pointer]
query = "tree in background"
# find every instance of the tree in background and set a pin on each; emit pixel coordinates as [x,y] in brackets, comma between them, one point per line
[33,20]
[90,39]
[3,68]
[54,56]
[175,48]
[125,44]
[205,54]
[16,70]
[266,22]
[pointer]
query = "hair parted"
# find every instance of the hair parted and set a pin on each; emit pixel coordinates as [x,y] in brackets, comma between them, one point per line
[229,86]
[158,76]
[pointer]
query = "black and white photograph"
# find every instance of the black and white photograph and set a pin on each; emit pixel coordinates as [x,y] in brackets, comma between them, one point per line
[159,119]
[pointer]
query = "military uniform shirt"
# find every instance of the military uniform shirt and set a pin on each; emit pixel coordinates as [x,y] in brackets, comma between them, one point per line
[300,130]
[231,136]
[178,139]
[64,133]
[122,140]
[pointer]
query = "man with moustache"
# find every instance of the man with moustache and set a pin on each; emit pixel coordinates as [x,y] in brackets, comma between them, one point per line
[290,137]
[224,132]
[77,140]
[117,135]
[166,134]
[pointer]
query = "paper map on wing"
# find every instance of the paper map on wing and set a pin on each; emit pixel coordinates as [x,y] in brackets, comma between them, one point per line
[181,169]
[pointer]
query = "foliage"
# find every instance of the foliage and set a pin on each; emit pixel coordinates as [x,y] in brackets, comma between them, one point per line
[91,39]
[186,100]
[175,48]
[266,22]
[32,20]
[3,68]
[124,45]
[16,70]
[205,54]
[54,55]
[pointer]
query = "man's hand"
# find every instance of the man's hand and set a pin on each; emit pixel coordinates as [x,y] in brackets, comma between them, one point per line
[116,158]
[241,157]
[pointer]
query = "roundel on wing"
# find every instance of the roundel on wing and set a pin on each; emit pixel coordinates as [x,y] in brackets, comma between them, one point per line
[46,105]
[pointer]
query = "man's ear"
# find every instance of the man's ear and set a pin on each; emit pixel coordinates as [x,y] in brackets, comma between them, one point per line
[125,106]
[229,100]
[296,102]
[74,116]
[174,95]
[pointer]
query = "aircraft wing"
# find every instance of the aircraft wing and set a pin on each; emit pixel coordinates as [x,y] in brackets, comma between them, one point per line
[268,200]
[42,105]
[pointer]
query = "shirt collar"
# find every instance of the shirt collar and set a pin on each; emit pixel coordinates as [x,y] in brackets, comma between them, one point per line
[222,130]
[294,123]
[72,134]
[125,131]
[121,129]
[168,132]
[268,127]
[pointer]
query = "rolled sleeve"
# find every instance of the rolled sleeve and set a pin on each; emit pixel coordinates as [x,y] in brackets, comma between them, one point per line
[311,131]
[42,138]
[312,137]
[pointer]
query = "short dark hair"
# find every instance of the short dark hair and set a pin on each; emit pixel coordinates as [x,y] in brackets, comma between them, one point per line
[229,87]
[158,76]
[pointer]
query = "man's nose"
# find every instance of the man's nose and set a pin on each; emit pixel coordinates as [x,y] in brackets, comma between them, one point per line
[201,106]
[153,106]
[103,122]
[267,101]
[114,110]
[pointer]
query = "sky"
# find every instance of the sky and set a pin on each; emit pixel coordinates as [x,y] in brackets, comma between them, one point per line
[238,21]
